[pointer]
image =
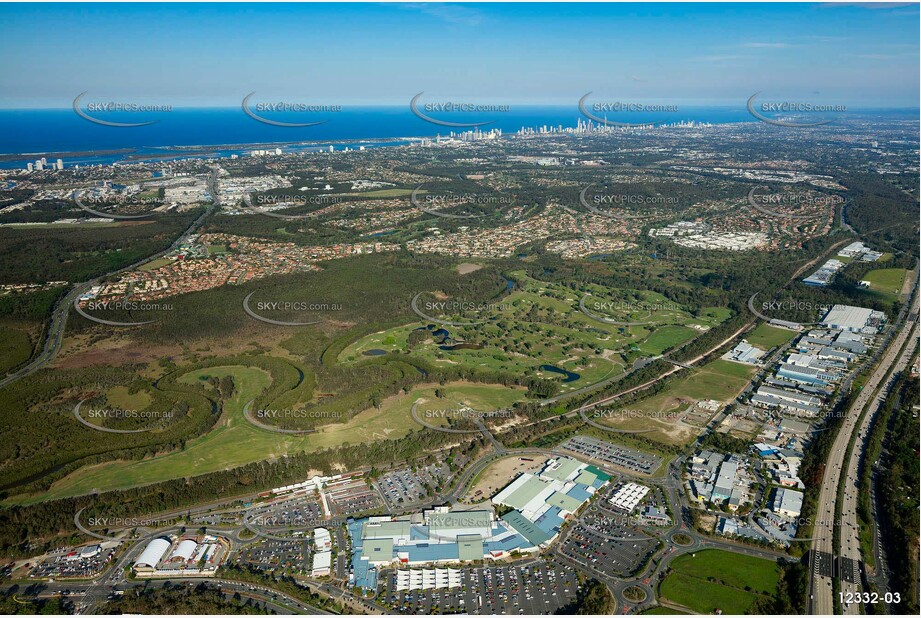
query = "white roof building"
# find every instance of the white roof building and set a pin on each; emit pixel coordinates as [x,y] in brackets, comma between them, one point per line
[853,319]
[628,497]
[787,503]
[184,551]
[322,564]
[153,553]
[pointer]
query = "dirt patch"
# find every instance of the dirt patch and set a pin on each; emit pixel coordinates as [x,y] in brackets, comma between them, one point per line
[501,473]
[466,268]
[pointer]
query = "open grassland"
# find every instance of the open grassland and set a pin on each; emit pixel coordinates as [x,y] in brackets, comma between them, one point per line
[122,398]
[235,441]
[671,415]
[767,337]
[886,283]
[713,580]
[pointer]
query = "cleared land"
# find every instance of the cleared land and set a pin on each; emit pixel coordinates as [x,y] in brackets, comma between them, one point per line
[713,580]
[672,415]
[767,337]
[500,474]
[886,282]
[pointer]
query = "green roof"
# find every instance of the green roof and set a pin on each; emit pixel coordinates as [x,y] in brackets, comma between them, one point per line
[469,547]
[527,492]
[597,472]
[385,529]
[525,528]
[586,478]
[378,550]
[567,503]
[567,466]
[454,520]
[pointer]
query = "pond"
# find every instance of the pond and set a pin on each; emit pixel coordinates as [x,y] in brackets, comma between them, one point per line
[570,375]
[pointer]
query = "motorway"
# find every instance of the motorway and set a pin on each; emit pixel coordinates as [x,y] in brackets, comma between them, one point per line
[822,557]
[58,323]
[849,541]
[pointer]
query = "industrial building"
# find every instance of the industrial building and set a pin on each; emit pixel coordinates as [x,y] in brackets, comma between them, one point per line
[787,503]
[745,353]
[854,319]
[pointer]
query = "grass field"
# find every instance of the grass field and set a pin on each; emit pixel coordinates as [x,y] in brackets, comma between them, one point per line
[661,611]
[666,337]
[120,397]
[886,282]
[15,348]
[235,441]
[664,412]
[155,264]
[767,337]
[713,579]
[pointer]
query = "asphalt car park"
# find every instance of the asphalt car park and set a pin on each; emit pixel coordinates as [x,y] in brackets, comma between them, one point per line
[272,554]
[609,557]
[538,588]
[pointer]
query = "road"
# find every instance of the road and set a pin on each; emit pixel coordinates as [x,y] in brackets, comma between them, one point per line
[58,323]
[849,541]
[822,567]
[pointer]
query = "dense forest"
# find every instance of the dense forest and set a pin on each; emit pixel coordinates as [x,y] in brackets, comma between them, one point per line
[171,599]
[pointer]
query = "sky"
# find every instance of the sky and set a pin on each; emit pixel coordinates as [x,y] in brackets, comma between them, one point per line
[383,54]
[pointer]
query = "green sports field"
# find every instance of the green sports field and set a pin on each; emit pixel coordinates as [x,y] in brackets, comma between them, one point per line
[886,282]
[767,337]
[712,579]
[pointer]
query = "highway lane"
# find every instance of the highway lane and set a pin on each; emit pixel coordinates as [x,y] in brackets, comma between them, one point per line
[849,541]
[821,599]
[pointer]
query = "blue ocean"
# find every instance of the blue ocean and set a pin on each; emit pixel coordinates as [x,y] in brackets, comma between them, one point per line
[30,132]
